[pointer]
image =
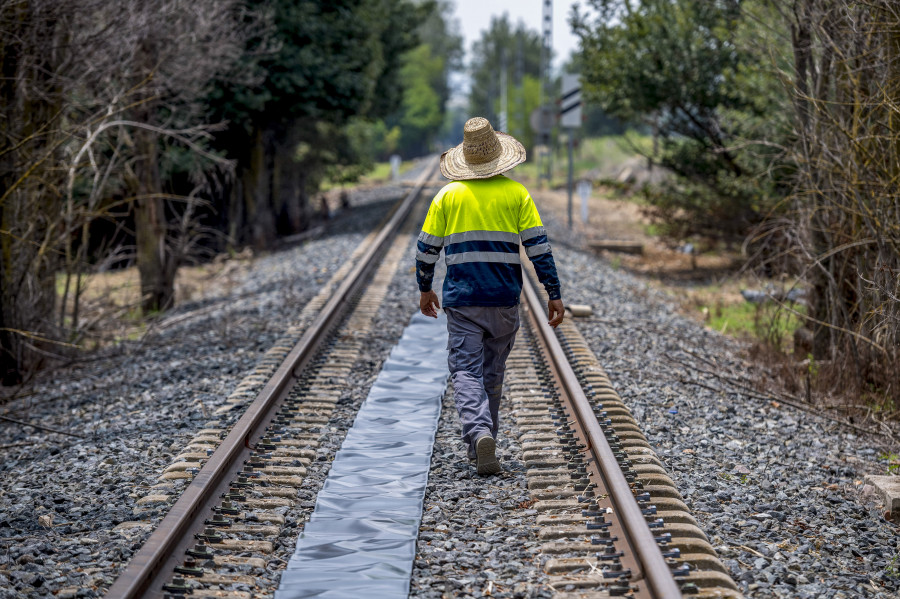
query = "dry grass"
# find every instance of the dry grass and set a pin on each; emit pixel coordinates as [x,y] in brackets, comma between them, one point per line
[110,303]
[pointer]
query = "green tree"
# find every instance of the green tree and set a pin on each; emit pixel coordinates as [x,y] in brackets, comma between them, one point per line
[523,100]
[684,69]
[323,63]
[425,78]
[422,109]
[517,50]
[596,122]
[441,33]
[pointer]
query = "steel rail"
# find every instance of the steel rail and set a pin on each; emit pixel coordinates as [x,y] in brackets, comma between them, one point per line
[653,567]
[154,563]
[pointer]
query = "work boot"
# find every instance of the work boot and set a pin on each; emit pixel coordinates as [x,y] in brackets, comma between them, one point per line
[485,455]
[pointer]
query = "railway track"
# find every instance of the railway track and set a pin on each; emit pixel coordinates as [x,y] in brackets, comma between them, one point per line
[611,520]
[241,478]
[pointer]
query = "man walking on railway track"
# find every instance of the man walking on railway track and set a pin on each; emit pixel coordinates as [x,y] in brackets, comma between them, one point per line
[479,219]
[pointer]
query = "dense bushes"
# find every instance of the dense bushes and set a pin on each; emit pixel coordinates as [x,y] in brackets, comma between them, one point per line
[779,120]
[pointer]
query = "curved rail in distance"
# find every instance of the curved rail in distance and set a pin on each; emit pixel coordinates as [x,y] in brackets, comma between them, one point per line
[653,567]
[154,563]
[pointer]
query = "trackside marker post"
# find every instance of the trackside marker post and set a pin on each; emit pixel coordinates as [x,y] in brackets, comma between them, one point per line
[570,118]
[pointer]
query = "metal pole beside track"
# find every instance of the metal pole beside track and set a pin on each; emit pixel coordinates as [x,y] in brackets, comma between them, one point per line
[655,570]
[155,561]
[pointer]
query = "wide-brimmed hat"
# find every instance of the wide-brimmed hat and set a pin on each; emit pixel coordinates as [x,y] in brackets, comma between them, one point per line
[482,154]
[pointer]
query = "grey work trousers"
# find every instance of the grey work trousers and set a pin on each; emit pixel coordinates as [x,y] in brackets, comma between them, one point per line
[480,339]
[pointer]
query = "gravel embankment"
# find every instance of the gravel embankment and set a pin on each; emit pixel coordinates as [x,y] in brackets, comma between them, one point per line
[138,404]
[777,490]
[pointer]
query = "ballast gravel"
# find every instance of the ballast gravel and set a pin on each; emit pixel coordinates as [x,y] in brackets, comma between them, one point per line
[777,490]
[478,535]
[136,406]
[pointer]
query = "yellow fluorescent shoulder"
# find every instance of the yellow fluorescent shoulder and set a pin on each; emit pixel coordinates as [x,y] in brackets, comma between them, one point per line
[495,204]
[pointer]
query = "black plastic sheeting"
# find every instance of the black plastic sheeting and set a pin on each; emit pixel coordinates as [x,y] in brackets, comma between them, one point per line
[361,539]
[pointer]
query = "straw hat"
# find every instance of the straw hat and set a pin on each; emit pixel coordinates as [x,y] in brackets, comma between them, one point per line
[482,154]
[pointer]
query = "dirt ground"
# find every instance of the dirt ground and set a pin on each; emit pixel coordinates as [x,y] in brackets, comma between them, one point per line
[707,288]
[110,303]
[712,277]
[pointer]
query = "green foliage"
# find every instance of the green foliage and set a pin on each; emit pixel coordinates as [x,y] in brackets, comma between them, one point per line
[425,77]
[609,151]
[523,99]
[321,60]
[422,115]
[323,77]
[417,112]
[596,122]
[354,149]
[518,50]
[743,479]
[687,70]
[768,322]
[812,367]
[349,156]
[776,324]
[893,461]
[339,59]
[893,567]
[382,140]
[734,319]
[382,172]
[439,31]
[662,55]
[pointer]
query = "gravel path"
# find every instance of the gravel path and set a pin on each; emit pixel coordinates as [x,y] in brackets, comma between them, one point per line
[478,535]
[777,490]
[137,405]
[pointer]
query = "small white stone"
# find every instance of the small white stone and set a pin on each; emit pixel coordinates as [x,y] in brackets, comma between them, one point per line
[580,310]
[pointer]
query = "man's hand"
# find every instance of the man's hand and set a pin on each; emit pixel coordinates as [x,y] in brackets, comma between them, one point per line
[429,304]
[556,311]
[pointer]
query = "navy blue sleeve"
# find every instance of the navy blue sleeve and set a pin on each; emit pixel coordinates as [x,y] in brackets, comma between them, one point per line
[537,248]
[545,268]
[427,256]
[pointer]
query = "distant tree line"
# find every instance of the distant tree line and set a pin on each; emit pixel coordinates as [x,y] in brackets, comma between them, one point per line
[780,121]
[511,54]
[148,132]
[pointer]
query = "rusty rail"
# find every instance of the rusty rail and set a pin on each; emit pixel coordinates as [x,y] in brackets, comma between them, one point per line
[651,567]
[154,563]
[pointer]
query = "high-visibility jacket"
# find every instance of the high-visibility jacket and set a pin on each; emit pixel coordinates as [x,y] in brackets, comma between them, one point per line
[479,224]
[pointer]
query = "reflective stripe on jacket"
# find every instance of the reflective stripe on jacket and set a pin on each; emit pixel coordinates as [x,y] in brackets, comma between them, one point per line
[479,224]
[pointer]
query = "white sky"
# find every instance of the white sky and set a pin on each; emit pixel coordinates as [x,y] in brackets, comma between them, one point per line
[474,17]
